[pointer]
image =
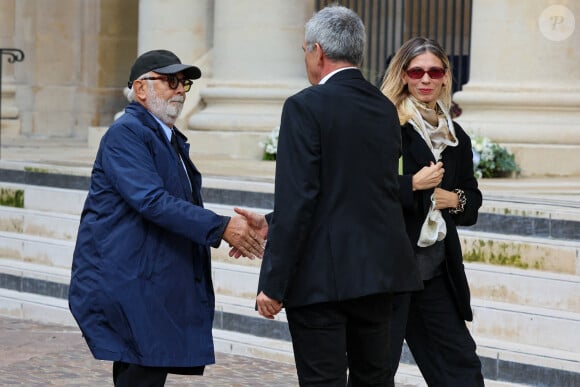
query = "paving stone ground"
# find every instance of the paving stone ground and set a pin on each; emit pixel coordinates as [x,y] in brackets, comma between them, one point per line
[34,354]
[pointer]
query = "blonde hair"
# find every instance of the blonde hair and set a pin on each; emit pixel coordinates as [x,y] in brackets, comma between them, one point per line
[394,87]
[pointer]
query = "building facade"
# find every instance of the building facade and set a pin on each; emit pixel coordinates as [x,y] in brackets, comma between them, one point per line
[516,66]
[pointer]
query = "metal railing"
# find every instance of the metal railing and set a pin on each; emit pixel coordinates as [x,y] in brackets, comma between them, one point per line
[389,23]
[14,55]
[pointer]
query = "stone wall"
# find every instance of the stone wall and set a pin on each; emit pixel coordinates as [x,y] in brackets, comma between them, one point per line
[77,58]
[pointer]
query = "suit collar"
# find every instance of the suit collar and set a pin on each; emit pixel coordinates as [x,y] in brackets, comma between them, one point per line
[346,73]
[334,72]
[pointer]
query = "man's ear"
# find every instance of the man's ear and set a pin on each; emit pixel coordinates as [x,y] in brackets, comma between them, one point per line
[319,52]
[140,89]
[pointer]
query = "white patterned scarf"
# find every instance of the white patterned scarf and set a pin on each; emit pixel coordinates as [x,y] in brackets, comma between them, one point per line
[436,128]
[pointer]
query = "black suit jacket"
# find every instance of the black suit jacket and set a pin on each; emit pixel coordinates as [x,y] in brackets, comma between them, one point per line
[337,230]
[458,165]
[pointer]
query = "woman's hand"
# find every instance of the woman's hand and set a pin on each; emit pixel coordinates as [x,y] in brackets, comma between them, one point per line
[428,177]
[445,199]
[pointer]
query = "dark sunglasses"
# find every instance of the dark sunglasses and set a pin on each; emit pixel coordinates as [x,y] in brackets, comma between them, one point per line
[173,81]
[434,73]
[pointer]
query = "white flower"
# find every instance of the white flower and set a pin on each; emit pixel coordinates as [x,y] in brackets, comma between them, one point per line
[490,158]
[270,144]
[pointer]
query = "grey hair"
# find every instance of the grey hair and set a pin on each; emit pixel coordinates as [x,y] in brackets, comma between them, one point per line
[131,94]
[340,32]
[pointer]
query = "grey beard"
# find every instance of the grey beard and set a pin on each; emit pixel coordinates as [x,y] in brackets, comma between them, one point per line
[166,111]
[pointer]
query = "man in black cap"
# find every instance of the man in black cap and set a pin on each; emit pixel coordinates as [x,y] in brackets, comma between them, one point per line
[141,288]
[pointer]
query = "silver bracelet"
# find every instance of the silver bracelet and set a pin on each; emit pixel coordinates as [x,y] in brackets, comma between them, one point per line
[461,203]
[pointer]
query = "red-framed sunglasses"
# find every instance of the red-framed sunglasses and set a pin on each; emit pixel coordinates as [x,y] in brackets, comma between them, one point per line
[418,73]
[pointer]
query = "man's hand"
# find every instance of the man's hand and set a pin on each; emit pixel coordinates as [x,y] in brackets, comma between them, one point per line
[257,222]
[267,306]
[243,237]
[428,177]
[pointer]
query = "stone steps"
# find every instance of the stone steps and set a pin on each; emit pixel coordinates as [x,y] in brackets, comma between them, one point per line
[49,237]
[238,329]
[525,319]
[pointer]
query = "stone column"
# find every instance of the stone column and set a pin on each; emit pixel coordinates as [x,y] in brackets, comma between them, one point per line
[257,63]
[187,35]
[524,86]
[10,123]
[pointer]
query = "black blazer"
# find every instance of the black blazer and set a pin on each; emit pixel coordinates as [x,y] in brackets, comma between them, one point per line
[458,165]
[337,230]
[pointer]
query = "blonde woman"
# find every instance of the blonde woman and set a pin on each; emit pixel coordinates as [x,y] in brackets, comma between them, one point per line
[438,192]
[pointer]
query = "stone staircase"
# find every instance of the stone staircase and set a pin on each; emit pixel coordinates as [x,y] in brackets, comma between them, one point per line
[526,305]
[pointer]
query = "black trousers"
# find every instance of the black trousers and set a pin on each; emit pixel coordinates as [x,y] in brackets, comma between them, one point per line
[437,336]
[329,338]
[134,375]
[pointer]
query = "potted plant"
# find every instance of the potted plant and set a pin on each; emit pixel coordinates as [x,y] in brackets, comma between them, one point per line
[270,145]
[492,159]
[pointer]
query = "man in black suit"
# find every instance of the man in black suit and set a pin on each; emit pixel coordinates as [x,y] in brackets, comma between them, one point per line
[337,247]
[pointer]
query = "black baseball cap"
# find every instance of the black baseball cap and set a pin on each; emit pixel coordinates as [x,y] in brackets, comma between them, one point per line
[162,62]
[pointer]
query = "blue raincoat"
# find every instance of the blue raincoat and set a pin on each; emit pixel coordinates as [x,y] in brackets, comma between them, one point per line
[141,289]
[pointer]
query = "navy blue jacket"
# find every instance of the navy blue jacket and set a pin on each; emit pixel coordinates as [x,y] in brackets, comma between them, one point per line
[141,288]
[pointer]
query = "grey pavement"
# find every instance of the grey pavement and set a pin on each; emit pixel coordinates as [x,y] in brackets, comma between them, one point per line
[34,354]
[37,354]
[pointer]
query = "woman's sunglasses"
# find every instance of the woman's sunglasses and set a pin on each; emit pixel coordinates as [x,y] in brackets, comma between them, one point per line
[418,73]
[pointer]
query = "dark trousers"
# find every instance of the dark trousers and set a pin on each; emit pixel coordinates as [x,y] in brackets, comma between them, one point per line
[134,375]
[436,335]
[329,338]
[131,375]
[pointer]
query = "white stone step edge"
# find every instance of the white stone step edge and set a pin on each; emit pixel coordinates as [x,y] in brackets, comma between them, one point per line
[35,270]
[50,168]
[50,199]
[48,251]
[509,238]
[524,286]
[556,255]
[537,208]
[528,354]
[535,326]
[22,212]
[35,307]
[525,273]
[23,221]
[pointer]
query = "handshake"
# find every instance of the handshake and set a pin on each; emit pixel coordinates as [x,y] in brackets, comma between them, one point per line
[250,232]
[246,234]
